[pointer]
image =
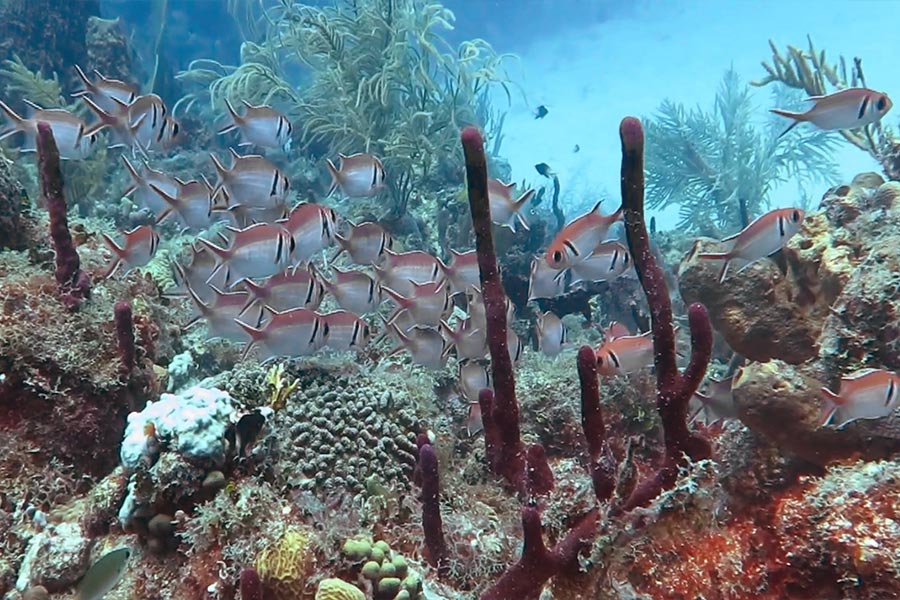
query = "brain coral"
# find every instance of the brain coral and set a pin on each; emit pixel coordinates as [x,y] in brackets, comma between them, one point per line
[285,566]
[339,429]
[338,589]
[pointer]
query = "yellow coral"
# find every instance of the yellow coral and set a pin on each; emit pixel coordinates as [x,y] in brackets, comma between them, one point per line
[338,589]
[280,387]
[285,566]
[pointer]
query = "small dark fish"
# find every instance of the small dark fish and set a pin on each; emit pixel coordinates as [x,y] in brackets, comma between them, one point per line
[544,170]
[540,112]
[576,149]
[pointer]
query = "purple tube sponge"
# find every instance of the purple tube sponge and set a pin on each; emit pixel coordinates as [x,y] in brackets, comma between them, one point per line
[505,411]
[538,476]
[250,585]
[432,524]
[673,389]
[125,336]
[74,284]
[602,462]
[537,565]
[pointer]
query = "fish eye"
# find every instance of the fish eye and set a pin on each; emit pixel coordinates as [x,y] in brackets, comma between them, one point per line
[325,330]
[795,216]
[882,102]
[175,129]
[599,361]
[557,256]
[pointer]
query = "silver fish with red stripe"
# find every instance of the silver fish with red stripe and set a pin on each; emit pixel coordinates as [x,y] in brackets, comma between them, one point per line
[261,126]
[292,333]
[105,91]
[312,226]
[141,244]
[74,139]
[354,291]
[359,176]
[607,262]
[763,237]
[463,271]
[400,271]
[426,346]
[295,287]
[365,243]
[505,210]
[551,334]
[220,314]
[255,252]
[346,331]
[142,192]
[251,181]
[544,281]
[577,239]
[191,206]
[427,305]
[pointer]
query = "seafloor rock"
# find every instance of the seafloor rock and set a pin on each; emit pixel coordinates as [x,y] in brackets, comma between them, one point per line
[845,530]
[783,403]
[13,206]
[107,49]
[56,558]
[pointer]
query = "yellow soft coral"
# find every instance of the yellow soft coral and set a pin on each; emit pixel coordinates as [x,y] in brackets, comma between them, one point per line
[338,589]
[285,566]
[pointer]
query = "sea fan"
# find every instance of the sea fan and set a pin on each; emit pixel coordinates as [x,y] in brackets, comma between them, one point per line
[719,168]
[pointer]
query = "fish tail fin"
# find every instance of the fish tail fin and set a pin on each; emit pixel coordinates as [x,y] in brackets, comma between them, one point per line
[796,116]
[17,121]
[118,255]
[203,309]
[219,253]
[171,204]
[832,402]
[256,336]
[235,119]
[88,84]
[135,176]
[335,177]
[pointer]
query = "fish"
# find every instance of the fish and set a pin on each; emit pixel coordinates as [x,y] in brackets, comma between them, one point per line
[864,394]
[428,303]
[551,334]
[360,175]
[544,281]
[473,376]
[139,248]
[576,149]
[354,291]
[716,400]
[295,287]
[766,235]
[103,575]
[366,243]
[476,310]
[74,139]
[346,331]
[514,345]
[312,226]
[142,124]
[291,333]
[504,210]
[624,355]
[200,274]
[576,240]
[258,251]
[261,126]
[463,271]
[241,215]
[541,111]
[426,346]
[143,193]
[850,108]
[105,91]
[607,262]
[251,181]
[399,271]
[544,170]
[192,206]
[470,341]
[615,330]
[221,312]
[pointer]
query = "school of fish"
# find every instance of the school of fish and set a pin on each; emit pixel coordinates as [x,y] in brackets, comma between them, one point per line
[260,279]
